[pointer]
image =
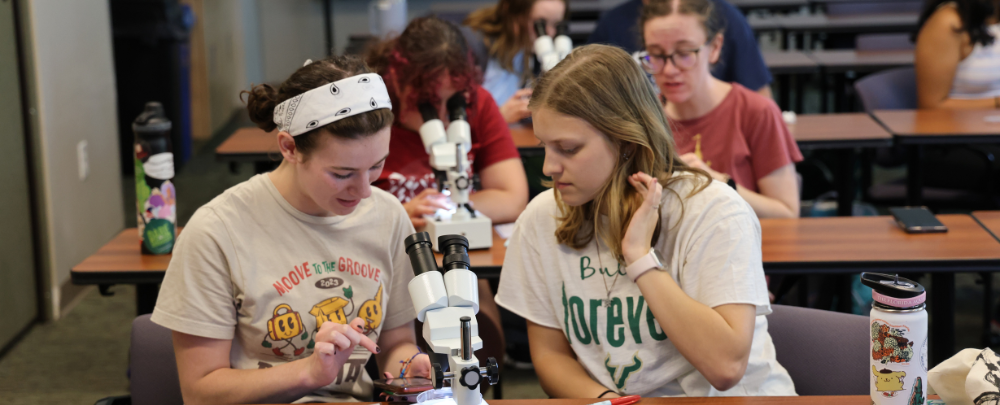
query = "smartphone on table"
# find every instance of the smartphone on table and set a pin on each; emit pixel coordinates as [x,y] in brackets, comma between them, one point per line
[402,389]
[917,220]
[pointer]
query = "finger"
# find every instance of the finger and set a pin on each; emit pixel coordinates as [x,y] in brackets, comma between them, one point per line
[342,342]
[641,188]
[367,343]
[358,337]
[358,324]
[387,376]
[422,210]
[325,348]
[425,193]
[418,223]
[440,201]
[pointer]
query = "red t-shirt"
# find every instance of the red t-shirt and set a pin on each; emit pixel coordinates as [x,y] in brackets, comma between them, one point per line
[408,170]
[744,137]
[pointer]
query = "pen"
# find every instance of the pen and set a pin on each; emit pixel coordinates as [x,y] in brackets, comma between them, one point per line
[629,400]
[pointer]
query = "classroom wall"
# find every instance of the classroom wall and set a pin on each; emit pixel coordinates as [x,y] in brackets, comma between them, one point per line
[225,57]
[236,43]
[351,16]
[71,100]
[291,31]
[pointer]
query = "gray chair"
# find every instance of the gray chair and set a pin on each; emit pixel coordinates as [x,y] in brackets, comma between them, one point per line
[893,89]
[825,352]
[152,367]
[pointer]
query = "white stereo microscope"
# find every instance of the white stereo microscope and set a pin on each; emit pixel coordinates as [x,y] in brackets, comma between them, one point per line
[548,51]
[447,305]
[449,156]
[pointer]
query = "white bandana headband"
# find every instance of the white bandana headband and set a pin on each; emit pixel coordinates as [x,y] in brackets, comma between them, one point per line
[332,102]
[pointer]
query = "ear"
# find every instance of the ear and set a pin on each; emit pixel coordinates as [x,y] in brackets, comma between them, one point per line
[286,144]
[716,48]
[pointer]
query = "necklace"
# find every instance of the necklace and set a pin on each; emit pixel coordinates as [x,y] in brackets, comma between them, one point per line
[607,301]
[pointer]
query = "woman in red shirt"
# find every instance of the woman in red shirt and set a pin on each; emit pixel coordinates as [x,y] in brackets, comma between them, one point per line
[733,133]
[429,63]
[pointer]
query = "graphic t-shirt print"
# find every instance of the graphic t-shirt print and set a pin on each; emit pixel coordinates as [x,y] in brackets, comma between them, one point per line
[297,314]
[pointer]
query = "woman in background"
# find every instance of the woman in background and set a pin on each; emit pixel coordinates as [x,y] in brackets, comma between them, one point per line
[958,55]
[503,37]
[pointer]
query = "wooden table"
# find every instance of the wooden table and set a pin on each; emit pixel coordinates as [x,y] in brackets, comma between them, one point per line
[843,132]
[798,24]
[989,220]
[838,61]
[789,62]
[249,144]
[805,400]
[916,128]
[120,261]
[850,245]
[835,131]
[855,23]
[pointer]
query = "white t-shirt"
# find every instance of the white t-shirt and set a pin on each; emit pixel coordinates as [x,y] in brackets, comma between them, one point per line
[250,267]
[714,255]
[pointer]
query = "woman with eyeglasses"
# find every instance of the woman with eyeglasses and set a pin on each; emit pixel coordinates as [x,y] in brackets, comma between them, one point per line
[731,132]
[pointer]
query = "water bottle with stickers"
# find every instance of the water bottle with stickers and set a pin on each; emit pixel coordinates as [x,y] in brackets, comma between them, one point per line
[155,195]
[898,355]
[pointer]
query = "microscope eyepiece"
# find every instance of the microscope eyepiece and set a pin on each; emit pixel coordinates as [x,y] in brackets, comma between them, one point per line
[562,28]
[456,107]
[540,27]
[456,252]
[418,247]
[427,111]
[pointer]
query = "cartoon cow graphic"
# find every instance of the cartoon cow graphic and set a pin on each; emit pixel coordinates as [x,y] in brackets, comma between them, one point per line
[888,382]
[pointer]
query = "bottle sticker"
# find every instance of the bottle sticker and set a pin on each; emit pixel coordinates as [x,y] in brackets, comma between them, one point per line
[889,344]
[160,166]
[888,382]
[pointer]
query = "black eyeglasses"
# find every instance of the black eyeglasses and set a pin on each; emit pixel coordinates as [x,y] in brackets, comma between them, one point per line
[682,59]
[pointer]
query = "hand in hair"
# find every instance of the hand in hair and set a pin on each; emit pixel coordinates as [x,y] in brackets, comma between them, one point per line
[516,108]
[639,235]
[694,161]
[425,203]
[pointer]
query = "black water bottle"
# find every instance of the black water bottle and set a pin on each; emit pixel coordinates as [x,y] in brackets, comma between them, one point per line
[155,195]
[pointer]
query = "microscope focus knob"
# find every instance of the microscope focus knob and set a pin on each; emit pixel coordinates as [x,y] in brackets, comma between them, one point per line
[438,376]
[470,377]
[492,371]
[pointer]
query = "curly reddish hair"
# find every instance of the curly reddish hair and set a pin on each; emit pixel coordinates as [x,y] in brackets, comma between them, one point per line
[416,58]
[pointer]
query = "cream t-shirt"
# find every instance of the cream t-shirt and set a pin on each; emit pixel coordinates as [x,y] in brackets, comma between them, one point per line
[252,268]
[712,251]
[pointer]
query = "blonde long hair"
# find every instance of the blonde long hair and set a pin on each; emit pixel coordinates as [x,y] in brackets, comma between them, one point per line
[605,87]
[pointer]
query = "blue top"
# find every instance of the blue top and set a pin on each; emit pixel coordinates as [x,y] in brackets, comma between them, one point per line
[740,60]
[502,83]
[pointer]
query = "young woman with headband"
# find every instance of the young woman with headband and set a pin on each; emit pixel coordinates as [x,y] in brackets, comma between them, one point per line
[282,287]
[637,273]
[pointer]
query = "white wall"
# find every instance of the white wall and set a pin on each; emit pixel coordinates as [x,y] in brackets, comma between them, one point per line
[351,16]
[291,31]
[71,91]
[225,56]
